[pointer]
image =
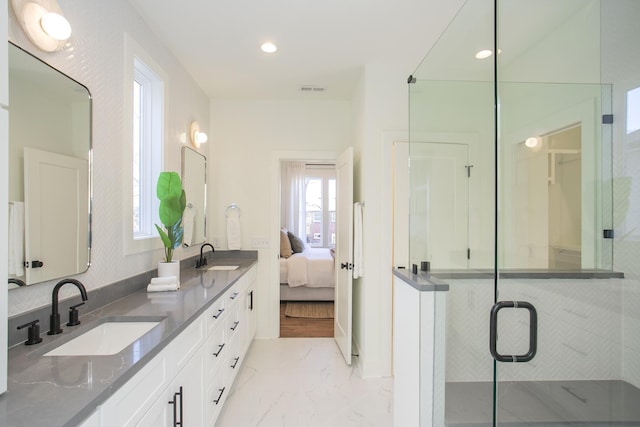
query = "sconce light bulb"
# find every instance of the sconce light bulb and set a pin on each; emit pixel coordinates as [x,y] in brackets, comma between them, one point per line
[201,137]
[56,26]
[531,142]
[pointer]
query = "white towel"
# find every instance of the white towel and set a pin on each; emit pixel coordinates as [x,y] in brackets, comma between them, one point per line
[358,219]
[162,287]
[168,280]
[188,219]
[16,238]
[234,236]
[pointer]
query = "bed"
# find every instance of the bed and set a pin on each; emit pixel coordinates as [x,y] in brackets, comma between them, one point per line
[308,275]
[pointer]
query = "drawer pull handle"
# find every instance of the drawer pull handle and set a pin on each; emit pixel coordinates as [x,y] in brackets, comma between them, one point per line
[220,347]
[235,325]
[220,311]
[221,390]
[234,295]
[235,363]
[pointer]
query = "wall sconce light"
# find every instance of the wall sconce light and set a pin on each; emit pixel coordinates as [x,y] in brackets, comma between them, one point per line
[197,137]
[43,22]
[532,142]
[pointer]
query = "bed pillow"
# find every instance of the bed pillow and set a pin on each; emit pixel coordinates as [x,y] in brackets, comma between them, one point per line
[297,245]
[285,244]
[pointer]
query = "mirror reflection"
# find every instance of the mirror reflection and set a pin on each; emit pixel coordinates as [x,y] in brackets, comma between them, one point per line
[194,172]
[49,171]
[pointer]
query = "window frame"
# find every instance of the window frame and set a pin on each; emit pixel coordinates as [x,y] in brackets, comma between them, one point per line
[138,65]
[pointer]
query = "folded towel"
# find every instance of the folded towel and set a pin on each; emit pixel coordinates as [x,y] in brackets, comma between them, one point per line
[358,236]
[16,238]
[162,288]
[168,280]
[234,236]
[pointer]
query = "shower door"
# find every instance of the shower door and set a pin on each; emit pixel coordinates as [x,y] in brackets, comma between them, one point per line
[558,322]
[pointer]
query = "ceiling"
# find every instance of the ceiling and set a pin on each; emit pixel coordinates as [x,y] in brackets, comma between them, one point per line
[320,43]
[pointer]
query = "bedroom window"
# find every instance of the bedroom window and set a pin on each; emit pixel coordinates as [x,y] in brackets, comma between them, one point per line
[320,206]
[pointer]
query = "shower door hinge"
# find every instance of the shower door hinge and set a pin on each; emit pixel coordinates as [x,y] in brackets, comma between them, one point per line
[607,119]
[607,233]
[468,253]
[468,167]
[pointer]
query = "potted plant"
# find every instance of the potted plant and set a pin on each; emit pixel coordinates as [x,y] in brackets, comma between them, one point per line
[172,204]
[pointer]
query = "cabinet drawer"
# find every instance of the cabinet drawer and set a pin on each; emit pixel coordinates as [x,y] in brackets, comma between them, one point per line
[233,361]
[215,314]
[234,324]
[187,343]
[217,348]
[216,395]
[128,404]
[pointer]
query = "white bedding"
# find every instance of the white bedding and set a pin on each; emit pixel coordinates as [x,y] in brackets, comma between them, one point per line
[314,267]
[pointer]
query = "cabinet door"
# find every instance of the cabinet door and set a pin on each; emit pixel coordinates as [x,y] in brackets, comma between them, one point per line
[182,402]
[129,403]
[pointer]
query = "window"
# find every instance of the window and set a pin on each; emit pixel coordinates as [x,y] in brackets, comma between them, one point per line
[143,121]
[147,147]
[320,205]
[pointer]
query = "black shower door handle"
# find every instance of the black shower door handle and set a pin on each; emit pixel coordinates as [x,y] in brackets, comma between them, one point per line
[533,331]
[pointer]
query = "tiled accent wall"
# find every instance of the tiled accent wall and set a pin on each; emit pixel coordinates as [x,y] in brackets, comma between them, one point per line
[95,57]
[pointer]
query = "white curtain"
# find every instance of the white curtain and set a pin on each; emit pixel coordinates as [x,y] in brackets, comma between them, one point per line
[294,198]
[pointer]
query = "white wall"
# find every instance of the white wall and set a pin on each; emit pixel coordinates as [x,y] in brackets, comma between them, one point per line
[245,141]
[380,111]
[95,57]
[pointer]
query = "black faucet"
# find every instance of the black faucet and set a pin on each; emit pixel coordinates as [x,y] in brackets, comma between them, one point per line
[203,261]
[17,282]
[54,319]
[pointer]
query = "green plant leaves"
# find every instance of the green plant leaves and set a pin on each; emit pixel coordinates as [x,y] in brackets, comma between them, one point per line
[173,202]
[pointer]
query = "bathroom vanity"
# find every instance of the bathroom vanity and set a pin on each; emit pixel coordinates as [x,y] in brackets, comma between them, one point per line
[182,368]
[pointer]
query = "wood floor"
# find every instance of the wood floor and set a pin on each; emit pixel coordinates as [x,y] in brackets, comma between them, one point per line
[296,327]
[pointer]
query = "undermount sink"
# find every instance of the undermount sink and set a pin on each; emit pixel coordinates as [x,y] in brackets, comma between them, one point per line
[223,267]
[107,338]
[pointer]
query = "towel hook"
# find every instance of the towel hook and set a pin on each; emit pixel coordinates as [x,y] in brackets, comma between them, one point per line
[232,206]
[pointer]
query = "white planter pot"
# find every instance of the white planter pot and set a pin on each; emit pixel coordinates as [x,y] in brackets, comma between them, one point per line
[168,269]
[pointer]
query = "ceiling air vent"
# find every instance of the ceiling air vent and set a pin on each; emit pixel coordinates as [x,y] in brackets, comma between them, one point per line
[312,89]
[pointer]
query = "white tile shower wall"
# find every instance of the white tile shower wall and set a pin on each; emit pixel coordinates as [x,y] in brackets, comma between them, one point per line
[579,329]
[95,57]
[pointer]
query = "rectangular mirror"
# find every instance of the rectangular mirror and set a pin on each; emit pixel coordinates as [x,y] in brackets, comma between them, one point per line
[49,172]
[194,183]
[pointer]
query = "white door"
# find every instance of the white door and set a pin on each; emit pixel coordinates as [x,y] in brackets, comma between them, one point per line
[56,221]
[440,205]
[344,253]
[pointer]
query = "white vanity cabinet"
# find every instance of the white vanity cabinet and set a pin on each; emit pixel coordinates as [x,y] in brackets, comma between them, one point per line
[187,382]
[144,399]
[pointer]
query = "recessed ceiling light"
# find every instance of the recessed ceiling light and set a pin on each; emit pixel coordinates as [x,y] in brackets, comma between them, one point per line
[268,47]
[484,54]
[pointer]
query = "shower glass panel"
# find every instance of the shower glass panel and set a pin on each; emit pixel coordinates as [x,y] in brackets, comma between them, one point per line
[523,185]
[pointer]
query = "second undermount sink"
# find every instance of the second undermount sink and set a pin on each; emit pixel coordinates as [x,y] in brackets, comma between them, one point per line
[107,338]
[223,267]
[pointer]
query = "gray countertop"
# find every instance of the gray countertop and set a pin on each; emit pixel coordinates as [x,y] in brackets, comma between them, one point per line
[64,390]
[423,281]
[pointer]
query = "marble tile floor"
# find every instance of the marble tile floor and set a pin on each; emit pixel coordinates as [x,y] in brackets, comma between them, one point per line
[304,382]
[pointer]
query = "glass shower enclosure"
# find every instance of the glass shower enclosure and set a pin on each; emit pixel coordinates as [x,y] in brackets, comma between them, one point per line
[524,196]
